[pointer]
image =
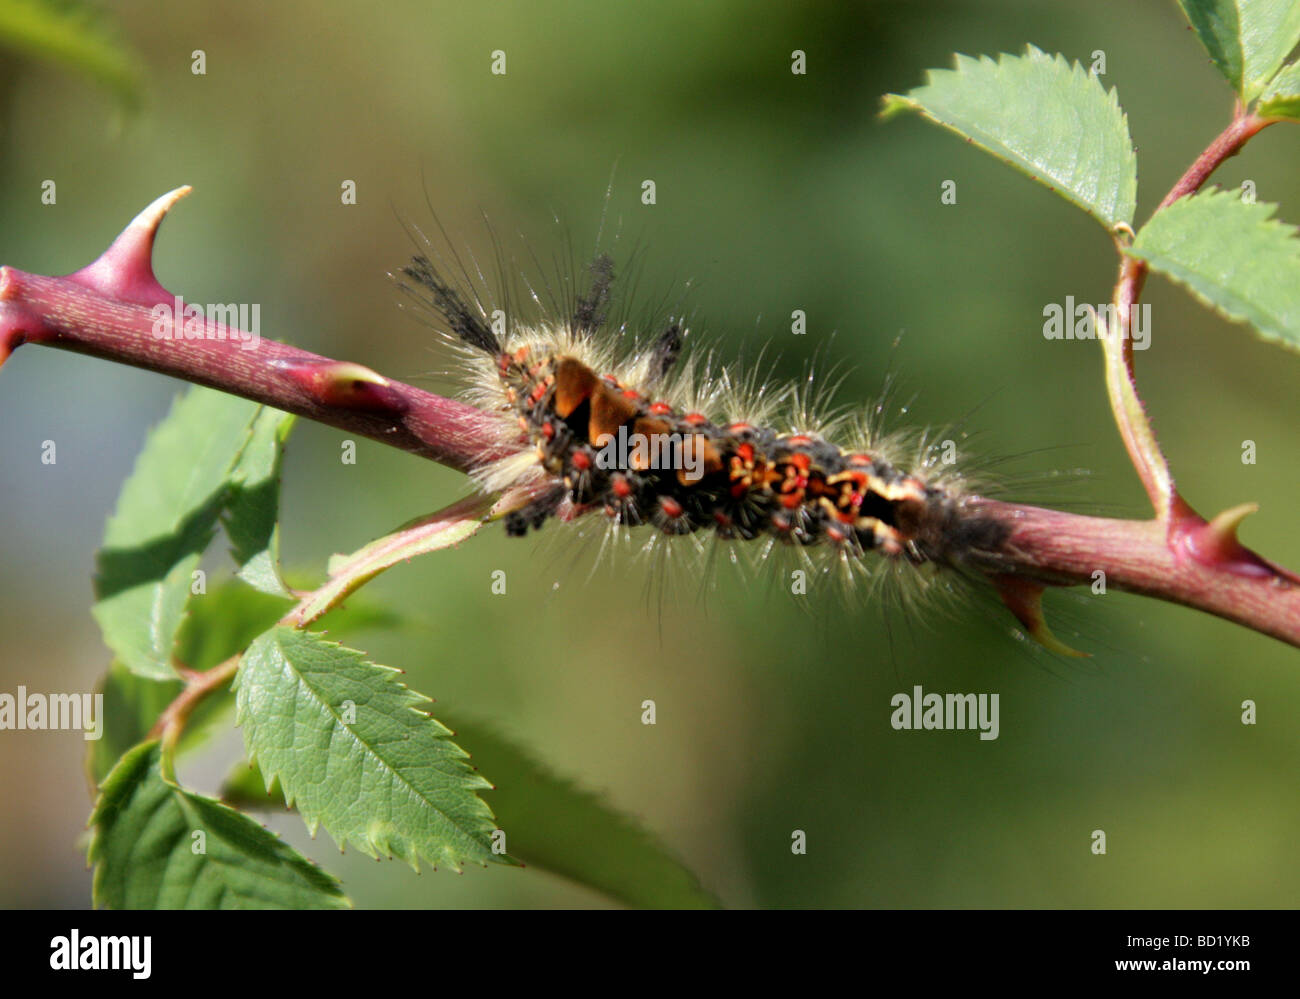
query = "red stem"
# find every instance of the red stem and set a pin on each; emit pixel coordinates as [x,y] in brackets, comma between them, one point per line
[1137,557]
[59,313]
[1227,144]
[104,310]
[1134,428]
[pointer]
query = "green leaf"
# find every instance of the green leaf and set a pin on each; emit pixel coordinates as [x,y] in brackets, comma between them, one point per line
[1282,98]
[550,823]
[224,621]
[252,518]
[1233,256]
[218,625]
[245,787]
[1053,120]
[1246,39]
[75,35]
[147,854]
[1217,24]
[355,751]
[165,519]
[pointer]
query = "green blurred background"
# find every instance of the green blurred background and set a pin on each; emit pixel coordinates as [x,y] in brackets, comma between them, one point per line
[775,192]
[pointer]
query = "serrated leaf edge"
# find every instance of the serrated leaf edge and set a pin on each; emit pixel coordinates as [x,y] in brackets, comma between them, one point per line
[369,846]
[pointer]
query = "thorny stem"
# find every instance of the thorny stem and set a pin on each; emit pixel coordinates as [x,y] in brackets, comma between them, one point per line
[1179,532]
[1121,384]
[198,685]
[1136,557]
[104,310]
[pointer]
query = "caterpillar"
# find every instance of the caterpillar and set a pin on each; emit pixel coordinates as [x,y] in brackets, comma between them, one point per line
[596,426]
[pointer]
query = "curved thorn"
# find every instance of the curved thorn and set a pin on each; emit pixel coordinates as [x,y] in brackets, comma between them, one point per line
[1024,598]
[1223,528]
[344,383]
[125,269]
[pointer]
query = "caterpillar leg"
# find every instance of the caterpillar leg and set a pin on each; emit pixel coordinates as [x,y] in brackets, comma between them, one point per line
[535,514]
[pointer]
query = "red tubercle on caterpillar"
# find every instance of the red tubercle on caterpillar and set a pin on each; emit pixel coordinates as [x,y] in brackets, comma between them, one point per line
[796,479]
[672,517]
[507,362]
[539,392]
[836,535]
[791,501]
[847,514]
[887,542]
[621,487]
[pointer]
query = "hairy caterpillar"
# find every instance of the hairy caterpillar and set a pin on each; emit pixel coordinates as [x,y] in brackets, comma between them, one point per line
[598,426]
